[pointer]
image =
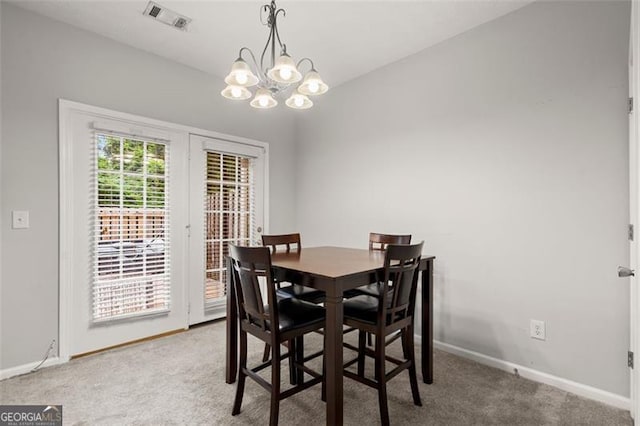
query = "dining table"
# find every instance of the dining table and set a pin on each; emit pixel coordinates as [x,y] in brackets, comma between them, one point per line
[333,270]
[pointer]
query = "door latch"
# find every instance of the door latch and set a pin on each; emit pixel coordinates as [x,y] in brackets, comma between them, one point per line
[625,272]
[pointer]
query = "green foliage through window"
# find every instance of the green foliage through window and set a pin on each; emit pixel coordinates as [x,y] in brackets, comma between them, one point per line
[131,173]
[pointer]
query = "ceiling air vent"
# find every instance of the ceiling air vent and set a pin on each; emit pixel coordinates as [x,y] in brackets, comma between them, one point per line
[166,16]
[155,10]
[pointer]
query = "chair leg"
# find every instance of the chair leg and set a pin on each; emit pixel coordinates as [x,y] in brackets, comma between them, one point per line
[410,355]
[361,349]
[405,348]
[369,339]
[242,376]
[275,385]
[293,374]
[382,381]
[299,354]
[267,351]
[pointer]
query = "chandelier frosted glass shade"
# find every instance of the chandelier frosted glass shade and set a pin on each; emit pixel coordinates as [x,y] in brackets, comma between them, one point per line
[263,99]
[285,70]
[298,101]
[238,93]
[313,84]
[241,75]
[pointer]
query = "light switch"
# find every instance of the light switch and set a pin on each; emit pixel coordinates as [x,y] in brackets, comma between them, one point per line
[20,219]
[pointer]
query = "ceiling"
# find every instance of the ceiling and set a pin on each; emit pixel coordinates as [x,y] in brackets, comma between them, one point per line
[345,39]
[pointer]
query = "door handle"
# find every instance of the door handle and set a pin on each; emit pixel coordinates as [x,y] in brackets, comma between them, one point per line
[625,272]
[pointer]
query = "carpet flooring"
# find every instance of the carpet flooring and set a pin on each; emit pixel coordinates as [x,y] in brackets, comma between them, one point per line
[179,380]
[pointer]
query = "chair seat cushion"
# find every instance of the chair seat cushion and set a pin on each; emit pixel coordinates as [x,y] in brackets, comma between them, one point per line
[301,292]
[366,290]
[363,308]
[294,313]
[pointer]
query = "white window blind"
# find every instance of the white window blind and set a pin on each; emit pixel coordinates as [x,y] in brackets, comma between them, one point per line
[131,215]
[229,215]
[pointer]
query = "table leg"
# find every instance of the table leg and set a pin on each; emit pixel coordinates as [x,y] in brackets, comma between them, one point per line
[427,323]
[231,370]
[333,355]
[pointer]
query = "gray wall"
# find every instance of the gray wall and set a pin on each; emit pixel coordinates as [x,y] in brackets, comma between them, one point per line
[43,60]
[506,150]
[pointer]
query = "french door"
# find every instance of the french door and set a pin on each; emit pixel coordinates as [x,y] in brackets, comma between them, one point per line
[226,206]
[123,228]
[147,212]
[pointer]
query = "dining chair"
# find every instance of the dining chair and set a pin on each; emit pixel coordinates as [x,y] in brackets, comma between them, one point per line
[381,241]
[391,312]
[279,320]
[377,242]
[289,243]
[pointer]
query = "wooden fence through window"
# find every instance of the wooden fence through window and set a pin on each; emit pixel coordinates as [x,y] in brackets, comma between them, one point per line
[130,224]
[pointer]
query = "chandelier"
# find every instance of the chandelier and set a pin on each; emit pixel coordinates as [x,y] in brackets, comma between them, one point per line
[275,77]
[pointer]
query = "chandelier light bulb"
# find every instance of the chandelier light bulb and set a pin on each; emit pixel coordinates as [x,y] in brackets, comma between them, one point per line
[236,93]
[313,84]
[314,87]
[284,70]
[241,75]
[298,101]
[263,99]
[285,74]
[242,78]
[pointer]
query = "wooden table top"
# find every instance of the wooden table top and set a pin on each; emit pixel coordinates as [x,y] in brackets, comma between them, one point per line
[331,262]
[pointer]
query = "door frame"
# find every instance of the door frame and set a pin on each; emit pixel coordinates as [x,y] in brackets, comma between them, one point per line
[66,109]
[634,208]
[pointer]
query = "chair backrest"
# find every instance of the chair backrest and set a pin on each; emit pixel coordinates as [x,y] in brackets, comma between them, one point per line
[249,265]
[282,243]
[381,241]
[398,298]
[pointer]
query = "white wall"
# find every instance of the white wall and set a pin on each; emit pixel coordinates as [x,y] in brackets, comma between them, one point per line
[43,60]
[505,149]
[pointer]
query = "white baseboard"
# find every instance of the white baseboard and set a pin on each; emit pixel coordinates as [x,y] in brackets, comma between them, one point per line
[580,389]
[26,368]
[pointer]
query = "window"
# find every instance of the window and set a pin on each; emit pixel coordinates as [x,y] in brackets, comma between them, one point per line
[131,238]
[229,215]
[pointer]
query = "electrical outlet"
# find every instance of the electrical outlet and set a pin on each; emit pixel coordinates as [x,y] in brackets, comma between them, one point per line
[538,330]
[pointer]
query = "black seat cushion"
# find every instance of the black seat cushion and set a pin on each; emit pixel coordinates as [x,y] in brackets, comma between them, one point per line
[363,308]
[366,290]
[301,292]
[294,313]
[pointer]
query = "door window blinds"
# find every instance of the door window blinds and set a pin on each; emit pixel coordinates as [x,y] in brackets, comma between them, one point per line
[229,215]
[131,235]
